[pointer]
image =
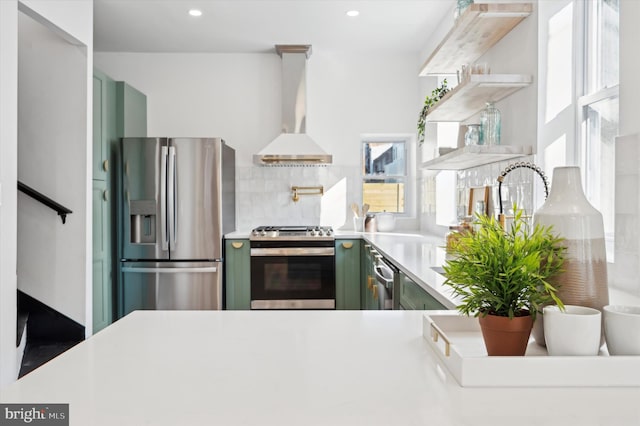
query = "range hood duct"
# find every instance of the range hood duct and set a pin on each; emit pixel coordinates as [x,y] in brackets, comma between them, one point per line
[293,147]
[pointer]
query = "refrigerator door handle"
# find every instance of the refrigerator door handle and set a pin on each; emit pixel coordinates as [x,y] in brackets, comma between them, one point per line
[207,269]
[163,199]
[171,196]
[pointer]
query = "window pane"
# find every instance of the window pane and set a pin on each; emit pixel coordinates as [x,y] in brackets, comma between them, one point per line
[601,130]
[384,169]
[384,195]
[384,158]
[603,52]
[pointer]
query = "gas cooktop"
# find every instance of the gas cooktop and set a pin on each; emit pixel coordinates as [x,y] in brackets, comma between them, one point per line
[292,233]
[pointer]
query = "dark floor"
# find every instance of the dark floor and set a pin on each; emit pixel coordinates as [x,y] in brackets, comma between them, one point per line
[37,353]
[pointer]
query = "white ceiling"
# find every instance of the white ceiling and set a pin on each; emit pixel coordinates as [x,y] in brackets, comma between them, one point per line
[257,25]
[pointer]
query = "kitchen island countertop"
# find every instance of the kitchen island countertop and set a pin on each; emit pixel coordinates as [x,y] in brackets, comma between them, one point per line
[290,368]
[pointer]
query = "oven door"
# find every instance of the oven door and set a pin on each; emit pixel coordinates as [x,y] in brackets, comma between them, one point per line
[293,277]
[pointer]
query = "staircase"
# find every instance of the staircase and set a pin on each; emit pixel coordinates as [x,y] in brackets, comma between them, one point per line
[48,332]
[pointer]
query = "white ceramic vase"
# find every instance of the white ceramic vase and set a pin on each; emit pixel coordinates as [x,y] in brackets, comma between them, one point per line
[583,281]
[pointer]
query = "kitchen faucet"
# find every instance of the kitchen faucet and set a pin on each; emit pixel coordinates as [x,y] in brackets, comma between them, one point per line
[509,169]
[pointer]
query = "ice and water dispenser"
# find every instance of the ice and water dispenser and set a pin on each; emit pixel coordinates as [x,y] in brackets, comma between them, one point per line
[142,214]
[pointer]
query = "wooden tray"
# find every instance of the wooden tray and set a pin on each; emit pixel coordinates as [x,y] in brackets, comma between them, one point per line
[457,342]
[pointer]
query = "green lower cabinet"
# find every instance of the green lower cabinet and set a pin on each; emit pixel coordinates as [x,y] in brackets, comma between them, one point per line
[369,289]
[414,297]
[348,274]
[237,270]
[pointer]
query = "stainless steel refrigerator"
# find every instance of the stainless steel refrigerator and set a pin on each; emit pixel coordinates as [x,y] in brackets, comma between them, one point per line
[178,200]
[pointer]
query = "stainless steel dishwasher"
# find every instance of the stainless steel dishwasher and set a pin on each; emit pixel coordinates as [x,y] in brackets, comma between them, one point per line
[386,281]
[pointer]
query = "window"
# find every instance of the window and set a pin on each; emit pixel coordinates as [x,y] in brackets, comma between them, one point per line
[599,109]
[384,174]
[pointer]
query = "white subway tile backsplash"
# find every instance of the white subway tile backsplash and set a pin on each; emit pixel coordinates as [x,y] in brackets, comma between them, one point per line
[264,195]
[627,237]
[626,194]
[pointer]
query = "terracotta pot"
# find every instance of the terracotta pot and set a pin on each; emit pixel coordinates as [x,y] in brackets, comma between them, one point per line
[504,336]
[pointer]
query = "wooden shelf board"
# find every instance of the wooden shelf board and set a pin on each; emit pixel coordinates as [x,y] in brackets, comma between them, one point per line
[476,155]
[468,98]
[478,28]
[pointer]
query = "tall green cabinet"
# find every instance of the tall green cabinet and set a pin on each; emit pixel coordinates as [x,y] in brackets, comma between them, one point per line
[118,110]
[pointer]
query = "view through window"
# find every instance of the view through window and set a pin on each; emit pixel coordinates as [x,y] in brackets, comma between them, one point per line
[384,165]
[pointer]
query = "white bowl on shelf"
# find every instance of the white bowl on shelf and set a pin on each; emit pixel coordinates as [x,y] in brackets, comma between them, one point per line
[622,329]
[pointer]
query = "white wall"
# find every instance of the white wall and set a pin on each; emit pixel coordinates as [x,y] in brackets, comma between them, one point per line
[52,128]
[629,67]
[237,96]
[8,175]
[627,229]
[558,57]
[74,17]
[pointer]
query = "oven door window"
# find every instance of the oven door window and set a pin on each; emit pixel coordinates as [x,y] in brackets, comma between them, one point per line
[292,277]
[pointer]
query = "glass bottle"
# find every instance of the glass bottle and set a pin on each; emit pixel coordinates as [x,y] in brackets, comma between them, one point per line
[472,136]
[490,125]
[461,5]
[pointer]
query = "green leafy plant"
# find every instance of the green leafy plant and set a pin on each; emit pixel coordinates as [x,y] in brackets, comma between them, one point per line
[504,272]
[429,102]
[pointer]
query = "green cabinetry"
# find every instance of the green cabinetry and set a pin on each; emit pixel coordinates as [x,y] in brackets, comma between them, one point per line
[414,297]
[369,289]
[118,110]
[103,225]
[348,274]
[237,274]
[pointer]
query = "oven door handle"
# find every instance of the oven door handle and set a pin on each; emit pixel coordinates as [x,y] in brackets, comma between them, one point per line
[293,251]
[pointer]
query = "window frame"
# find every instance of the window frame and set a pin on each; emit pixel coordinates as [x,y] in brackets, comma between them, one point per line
[585,81]
[410,170]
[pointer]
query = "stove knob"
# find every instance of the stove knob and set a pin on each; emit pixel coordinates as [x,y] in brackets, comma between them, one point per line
[329,232]
[314,232]
[263,233]
[321,232]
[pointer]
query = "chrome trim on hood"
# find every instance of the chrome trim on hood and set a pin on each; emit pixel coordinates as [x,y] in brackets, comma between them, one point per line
[293,147]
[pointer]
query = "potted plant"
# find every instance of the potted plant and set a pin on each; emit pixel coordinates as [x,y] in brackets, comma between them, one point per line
[501,277]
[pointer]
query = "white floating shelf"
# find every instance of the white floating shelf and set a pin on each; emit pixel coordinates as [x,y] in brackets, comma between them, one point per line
[476,155]
[469,97]
[478,28]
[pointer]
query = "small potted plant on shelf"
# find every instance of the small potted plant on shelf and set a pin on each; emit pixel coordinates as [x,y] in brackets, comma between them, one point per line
[501,277]
[429,102]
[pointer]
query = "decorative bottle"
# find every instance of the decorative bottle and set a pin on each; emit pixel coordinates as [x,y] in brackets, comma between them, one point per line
[583,281]
[461,5]
[490,125]
[472,136]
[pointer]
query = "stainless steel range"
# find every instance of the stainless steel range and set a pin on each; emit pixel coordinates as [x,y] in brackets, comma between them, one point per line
[293,267]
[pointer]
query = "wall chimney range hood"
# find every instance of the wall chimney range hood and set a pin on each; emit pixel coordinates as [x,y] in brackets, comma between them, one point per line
[293,147]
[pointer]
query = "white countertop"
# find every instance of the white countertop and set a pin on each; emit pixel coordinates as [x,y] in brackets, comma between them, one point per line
[290,368]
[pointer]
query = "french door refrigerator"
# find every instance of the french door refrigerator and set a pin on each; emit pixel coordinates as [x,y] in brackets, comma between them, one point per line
[178,200]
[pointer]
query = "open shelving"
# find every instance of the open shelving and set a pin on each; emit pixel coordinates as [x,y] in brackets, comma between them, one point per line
[476,155]
[480,26]
[469,97]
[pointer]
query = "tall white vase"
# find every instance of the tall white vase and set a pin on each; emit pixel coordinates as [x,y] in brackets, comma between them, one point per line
[583,281]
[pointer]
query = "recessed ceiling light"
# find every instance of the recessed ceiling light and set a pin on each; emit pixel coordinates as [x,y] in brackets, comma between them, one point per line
[195,12]
[353,13]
